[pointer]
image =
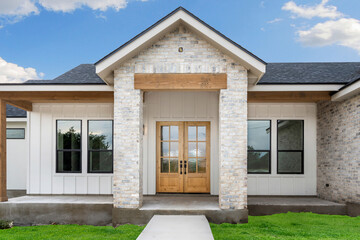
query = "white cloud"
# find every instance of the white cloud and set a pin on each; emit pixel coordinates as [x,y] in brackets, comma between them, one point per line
[344,32]
[71,5]
[275,20]
[13,73]
[320,10]
[17,7]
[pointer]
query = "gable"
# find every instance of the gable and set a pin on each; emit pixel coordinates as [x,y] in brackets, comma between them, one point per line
[179,17]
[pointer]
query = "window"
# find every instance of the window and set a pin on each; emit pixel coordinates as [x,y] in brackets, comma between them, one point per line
[15,133]
[259,138]
[100,146]
[290,144]
[68,146]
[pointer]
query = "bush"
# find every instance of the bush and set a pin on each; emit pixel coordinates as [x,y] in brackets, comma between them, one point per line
[6,224]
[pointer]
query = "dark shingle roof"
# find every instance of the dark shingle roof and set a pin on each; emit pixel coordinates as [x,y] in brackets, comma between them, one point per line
[82,74]
[14,112]
[310,73]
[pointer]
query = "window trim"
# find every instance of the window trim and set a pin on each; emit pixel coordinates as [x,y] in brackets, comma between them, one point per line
[23,129]
[99,150]
[67,150]
[268,151]
[301,151]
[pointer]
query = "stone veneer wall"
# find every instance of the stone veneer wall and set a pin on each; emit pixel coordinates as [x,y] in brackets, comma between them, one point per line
[338,145]
[163,57]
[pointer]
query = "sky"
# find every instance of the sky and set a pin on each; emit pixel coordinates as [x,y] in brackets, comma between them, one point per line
[41,39]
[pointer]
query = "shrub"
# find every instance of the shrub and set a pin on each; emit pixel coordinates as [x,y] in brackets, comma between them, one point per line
[6,224]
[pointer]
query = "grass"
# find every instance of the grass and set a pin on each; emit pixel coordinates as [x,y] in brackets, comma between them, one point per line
[279,226]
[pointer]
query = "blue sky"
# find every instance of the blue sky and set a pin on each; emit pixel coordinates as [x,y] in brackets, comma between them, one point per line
[43,39]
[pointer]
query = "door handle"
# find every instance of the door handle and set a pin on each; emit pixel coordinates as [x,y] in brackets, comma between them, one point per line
[185,167]
[180,167]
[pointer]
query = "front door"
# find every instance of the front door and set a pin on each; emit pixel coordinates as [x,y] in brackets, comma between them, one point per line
[183,157]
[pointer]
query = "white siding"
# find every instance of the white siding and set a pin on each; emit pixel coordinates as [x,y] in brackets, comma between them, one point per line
[286,184]
[42,134]
[179,106]
[17,158]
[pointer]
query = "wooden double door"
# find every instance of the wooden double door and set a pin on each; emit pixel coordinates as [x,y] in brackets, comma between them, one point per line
[183,157]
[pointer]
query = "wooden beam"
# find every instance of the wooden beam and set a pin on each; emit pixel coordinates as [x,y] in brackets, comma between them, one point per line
[186,81]
[25,105]
[61,97]
[254,97]
[3,193]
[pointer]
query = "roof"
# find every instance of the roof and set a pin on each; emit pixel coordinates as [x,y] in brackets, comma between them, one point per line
[311,73]
[14,112]
[168,16]
[82,74]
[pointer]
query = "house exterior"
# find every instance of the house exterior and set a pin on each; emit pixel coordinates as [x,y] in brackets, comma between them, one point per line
[181,108]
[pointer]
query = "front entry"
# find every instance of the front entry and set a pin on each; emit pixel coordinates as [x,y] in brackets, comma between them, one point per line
[183,157]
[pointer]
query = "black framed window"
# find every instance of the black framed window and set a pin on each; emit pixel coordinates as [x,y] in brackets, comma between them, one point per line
[290,146]
[15,133]
[100,146]
[259,146]
[68,146]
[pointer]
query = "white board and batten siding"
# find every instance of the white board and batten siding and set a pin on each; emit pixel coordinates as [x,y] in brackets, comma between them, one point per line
[179,106]
[42,176]
[286,184]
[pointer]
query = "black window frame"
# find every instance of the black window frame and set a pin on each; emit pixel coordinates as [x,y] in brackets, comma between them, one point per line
[301,151]
[99,150]
[68,150]
[269,151]
[23,129]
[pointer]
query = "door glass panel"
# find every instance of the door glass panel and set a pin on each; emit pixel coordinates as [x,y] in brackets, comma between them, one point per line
[192,133]
[201,165]
[174,132]
[174,165]
[174,149]
[165,149]
[201,149]
[192,165]
[192,149]
[201,133]
[164,165]
[165,133]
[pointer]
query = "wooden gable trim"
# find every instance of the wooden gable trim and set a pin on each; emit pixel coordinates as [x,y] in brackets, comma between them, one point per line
[175,81]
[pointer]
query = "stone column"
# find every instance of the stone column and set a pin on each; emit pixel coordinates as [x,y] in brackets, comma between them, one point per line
[128,134]
[233,140]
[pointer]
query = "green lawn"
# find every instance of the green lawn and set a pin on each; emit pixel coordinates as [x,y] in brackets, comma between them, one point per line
[279,226]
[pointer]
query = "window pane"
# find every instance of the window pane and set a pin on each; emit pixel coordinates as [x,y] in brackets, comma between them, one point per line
[192,133]
[100,135]
[202,133]
[259,135]
[165,149]
[100,161]
[192,165]
[164,165]
[174,165]
[192,149]
[202,165]
[164,132]
[290,162]
[290,134]
[69,161]
[68,134]
[15,133]
[258,162]
[201,149]
[174,149]
[174,132]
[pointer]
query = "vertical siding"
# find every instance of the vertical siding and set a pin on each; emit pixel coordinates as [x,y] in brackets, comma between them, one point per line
[42,157]
[286,184]
[179,106]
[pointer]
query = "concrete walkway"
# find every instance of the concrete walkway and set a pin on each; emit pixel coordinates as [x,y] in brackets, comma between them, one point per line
[171,227]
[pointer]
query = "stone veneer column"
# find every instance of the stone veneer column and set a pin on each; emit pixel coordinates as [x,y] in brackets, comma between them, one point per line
[233,140]
[128,127]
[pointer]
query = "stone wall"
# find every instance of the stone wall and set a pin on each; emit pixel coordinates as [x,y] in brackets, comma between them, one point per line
[338,144]
[198,56]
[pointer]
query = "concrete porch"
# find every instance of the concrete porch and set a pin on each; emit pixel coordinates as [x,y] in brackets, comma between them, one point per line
[98,210]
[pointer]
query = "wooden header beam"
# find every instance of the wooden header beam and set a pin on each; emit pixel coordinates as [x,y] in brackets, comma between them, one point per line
[25,105]
[175,81]
[282,97]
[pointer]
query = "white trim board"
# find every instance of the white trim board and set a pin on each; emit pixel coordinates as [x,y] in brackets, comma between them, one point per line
[295,87]
[347,92]
[57,88]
